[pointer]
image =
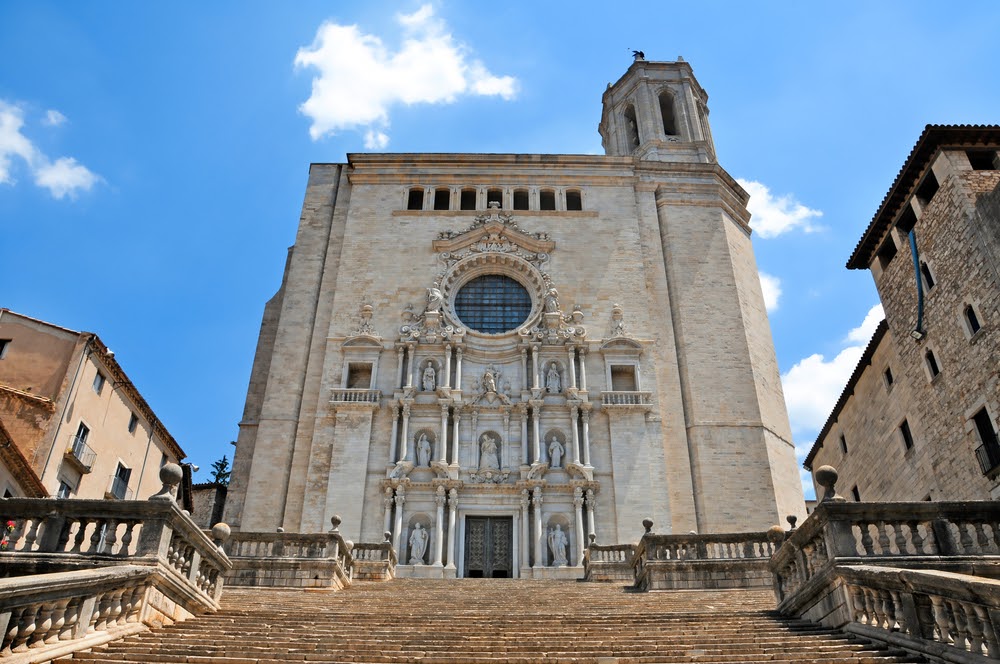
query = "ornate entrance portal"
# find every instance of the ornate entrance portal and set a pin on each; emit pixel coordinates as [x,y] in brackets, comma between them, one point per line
[488,544]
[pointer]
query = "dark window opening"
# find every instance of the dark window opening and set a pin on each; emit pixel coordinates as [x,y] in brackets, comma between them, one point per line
[907,220]
[119,483]
[888,377]
[843,444]
[932,364]
[623,378]
[972,319]
[982,160]
[520,199]
[359,376]
[493,303]
[442,199]
[547,199]
[887,252]
[988,452]
[631,129]
[4,344]
[494,196]
[468,201]
[856,494]
[133,422]
[99,381]
[925,271]
[904,431]
[667,114]
[574,200]
[415,201]
[927,188]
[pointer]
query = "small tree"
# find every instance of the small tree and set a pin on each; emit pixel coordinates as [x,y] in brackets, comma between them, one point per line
[221,471]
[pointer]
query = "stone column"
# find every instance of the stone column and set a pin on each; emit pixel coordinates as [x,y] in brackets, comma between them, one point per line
[574,416]
[404,443]
[583,368]
[586,436]
[400,356]
[452,513]
[439,526]
[581,538]
[443,440]
[410,351]
[524,368]
[536,430]
[524,436]
[387,510]
[394,441]
[591,500]
[446,379]
[525,546]
[398,528]
[536,504]
[455,437]
[571,367]
[458,368]
[534,365]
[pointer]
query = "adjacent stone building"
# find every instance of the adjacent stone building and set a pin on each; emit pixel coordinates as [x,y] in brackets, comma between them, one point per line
[494,356]
[77,425]
[918,419]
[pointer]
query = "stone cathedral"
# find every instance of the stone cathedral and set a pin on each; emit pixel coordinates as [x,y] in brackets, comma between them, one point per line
[494,357]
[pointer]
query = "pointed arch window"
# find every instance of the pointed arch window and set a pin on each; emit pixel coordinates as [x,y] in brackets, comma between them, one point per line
[667,113]
[631,128]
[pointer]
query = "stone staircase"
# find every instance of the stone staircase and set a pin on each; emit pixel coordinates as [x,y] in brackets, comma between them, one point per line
[492,620]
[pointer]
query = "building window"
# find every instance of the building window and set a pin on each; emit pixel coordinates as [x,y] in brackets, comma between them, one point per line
[415,199]
[99,381]
[988,452]
[887,375]
[843,444]
[925,272]
[971,319]
[494,196]
[547,199]
[82,432]
[623,378]
[886,252]
[163,459]
[856,494]
[520,199]
[442,199]
[65,490]
[982,160]
[631,129]
[359,376]
[493,303]
[119,483]
[467,200]
[904,431]
[907,220]
[932,365]
[4,345]
[667,113]
[574,200]
[133,422]
[927,189]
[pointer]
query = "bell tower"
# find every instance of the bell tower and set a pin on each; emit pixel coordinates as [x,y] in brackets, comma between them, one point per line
[657,111]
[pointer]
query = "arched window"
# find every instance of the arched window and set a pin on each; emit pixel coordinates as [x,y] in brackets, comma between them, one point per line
[442,199]
[631,128]
[667,113]
[547,199]
[494,195]
[415,201]
[520,199]
[928,277]
[932,364]
[574,200]
[468,201]
[493,303]
[971,319]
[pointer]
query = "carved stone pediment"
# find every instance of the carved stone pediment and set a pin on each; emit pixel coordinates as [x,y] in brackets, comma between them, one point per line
[495,232]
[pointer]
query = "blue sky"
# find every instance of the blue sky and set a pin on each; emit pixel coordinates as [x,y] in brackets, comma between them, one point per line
[153,157]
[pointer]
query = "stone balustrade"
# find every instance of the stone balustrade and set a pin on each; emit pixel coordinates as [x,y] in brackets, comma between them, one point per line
[609,563]
[291,560]
[374,562]
[353,395]
[626,399]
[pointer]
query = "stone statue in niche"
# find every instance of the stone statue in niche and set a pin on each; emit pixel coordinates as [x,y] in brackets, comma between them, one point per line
[489,447]
[490,380]
[435,300]
[429,379]
[553,382]
[423,451]
[418,545]
[556,452]
[552,301]
[557,546]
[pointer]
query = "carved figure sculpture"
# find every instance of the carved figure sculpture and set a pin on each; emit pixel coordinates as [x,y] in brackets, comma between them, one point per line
[553,382]
[557,545]
[429,377]
[552,301]
[489,457]
[418,545]
[556,452]
[435,299]
[489,381]
[617,321]
[423,451]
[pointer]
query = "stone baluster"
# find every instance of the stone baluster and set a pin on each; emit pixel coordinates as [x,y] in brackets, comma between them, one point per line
[400,358]
[439,500]
[404,437]
[446,379]
[989,632]
[961,631]
[525,460]
[940,618]
[866,538]
[883,537]
[443,439]
[452,518]
[534,366]
[412,364]
[586,434]
[394,435]
[387,509]
[591,503]
[455,438]
[574,428]
[915,537]
[964,538]
[581,538]
[897,528]
[583,368]
[458,368]
[974,627]
[398,526]
[571,367]
[525,536]
[536,503]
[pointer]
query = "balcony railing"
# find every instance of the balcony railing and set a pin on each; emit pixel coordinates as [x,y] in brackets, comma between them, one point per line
[80,454]
[626,399]
[353,395]
[118,488]
[988,455]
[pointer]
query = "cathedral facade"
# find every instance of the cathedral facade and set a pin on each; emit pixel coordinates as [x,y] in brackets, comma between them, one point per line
[495,357]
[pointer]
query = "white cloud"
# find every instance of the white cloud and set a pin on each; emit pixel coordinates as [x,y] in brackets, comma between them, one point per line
[359,79]
[862,334]
[774,215]
[54,118]
[771,287]
[65,177]
[813,385]
[62,177]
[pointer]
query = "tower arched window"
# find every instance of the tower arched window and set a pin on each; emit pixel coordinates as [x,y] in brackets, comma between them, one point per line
[631,128]
[971,319]
[520,199]
[667,113]
[415,199]
[494,196]
[442,199]
[574,200]
[468,199]
[547,199]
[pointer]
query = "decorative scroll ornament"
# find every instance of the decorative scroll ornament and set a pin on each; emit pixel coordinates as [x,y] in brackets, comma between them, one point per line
[555,327]
[489,476]
[617,321]
[365,326]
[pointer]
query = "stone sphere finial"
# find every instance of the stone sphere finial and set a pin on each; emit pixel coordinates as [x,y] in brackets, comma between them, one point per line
[593,538]
[776,535]
[387,535]
[221,533]
[792,520]
[279,530]
[335,521]
[648,525]
[170,476]
[827,478]
[348,545]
